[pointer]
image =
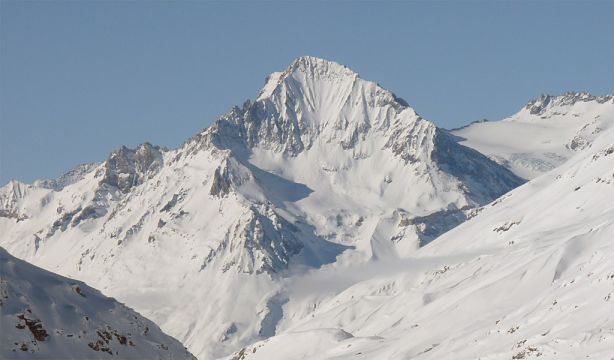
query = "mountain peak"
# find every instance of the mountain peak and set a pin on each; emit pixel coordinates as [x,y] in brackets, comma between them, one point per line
[545,101]
[315,101]
[317,66]
[306,67]
[70,177]
[127,167]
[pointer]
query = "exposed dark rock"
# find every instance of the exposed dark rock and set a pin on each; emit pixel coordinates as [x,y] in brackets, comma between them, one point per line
[473,169]
[79,291]
[126,168]
[35,326]
[228,175]
[89,212]
[11,214]
[169,205]
[541,104]
[268,241]
[429,227]
[63,222]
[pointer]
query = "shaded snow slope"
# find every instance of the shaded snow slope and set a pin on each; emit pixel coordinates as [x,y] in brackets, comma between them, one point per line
[323,169]
[531,275]
[46,316]
[544,134]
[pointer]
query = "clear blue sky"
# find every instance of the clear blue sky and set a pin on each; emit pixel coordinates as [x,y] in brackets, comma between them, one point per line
[78,78]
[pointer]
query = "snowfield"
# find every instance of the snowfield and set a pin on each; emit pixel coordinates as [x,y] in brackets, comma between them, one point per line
[328,219]
[542,135]
[530,276]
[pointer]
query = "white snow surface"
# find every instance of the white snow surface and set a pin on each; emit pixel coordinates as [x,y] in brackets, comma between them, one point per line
[544,134]
[47,316]
[531,276]
[307,198]
[323,168]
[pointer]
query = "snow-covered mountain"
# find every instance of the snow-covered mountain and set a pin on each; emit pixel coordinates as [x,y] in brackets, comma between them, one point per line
[530,276]
[70,177]
[542,135]
[323,169]
[46,316]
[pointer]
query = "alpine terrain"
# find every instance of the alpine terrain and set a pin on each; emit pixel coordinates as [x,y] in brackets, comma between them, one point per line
[327,219]
[46,316]
[513,282]
[544,134]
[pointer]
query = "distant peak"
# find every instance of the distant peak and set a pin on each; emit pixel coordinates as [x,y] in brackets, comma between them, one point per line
[126,168]
[14,185]
[545,101]
[145,147]
[70,177]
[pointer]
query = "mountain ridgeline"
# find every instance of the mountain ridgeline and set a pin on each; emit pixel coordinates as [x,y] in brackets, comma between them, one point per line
[322,169]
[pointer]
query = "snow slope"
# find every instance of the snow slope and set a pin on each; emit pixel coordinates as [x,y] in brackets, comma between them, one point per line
[530,275]
[323,169]
[544,134]
[46,316]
